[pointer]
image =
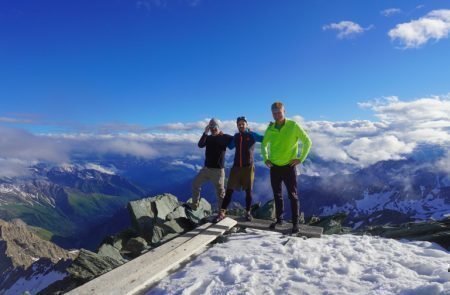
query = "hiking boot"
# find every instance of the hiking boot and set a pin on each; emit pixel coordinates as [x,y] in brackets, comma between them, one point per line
[248,216]
[221,216]
[279,222]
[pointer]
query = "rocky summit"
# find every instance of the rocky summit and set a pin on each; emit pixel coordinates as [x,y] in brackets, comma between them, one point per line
[28,263]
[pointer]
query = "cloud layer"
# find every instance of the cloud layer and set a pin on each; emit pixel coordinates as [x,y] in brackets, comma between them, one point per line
[401,127]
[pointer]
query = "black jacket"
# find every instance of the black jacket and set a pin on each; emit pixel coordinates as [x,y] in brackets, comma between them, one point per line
[215,149]
[245,146]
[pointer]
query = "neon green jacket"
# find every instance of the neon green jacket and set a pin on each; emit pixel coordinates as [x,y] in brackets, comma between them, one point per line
[280,146]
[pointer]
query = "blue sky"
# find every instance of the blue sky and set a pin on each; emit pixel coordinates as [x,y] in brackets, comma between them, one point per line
[82,63]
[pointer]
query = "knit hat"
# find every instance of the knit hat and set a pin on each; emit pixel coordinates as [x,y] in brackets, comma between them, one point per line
[213,123]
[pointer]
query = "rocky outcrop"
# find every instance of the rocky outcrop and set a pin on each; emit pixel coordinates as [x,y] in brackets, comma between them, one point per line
[24,257]
[156,217]
[432,231]
[154,220]
[267,211]
[331,224]
[89,265]
[20,247]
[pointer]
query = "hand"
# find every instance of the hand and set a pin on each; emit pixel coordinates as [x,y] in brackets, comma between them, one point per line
[268,163]
[294,162]
[206,129]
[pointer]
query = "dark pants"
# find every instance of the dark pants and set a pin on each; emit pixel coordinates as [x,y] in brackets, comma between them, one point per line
[286,174]
[229,193]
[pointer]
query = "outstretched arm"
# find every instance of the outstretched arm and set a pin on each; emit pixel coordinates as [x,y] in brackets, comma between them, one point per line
[256,136]
[231,144]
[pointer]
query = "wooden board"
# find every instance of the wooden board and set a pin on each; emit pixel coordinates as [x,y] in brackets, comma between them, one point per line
[263,224]
[139,274]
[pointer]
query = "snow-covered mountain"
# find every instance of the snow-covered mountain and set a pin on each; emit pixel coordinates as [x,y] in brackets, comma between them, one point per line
[392,191]
[387,192]
[89,191]
[65,202]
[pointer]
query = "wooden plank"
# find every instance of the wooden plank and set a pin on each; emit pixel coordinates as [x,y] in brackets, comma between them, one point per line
[139,262]
[144,271]
[263,224]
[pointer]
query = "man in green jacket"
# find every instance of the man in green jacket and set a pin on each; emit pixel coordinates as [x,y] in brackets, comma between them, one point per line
[280,152]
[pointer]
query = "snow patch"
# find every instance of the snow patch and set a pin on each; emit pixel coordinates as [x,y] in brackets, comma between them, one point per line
[269,263]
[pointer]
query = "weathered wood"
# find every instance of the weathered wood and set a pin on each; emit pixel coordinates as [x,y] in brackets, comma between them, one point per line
[262,224]
[144,271]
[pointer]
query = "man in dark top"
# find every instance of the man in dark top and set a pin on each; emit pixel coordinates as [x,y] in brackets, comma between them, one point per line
[242,173]
[216,145]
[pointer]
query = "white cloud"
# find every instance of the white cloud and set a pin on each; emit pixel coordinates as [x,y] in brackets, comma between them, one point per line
[368,151]
[444,163]
[227,126]
[13,167]
[420,121]
[15,120]
[391,11]
[346,29]
[102,169]
[186,165]
[20,144]
[329,148]
[433,26]
[420,110]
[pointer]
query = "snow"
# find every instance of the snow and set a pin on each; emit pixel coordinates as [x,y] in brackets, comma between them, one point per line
[102,169]
[260,262]
[35,283]
[373,202]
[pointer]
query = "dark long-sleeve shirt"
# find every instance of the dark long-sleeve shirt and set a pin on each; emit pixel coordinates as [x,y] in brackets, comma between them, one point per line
[216,147]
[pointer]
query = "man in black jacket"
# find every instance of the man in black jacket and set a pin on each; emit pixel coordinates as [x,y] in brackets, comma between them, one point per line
[216,145]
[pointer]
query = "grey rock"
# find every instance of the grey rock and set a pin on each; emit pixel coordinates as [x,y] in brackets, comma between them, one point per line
[179,212]
[331,224]
[136,246]
[432,231]
[147,212]
[197,216]
[267,211]
[168,227]
[89,265]
[107,250]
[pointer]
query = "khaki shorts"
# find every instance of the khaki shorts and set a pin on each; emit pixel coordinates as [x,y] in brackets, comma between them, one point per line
[241,178]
